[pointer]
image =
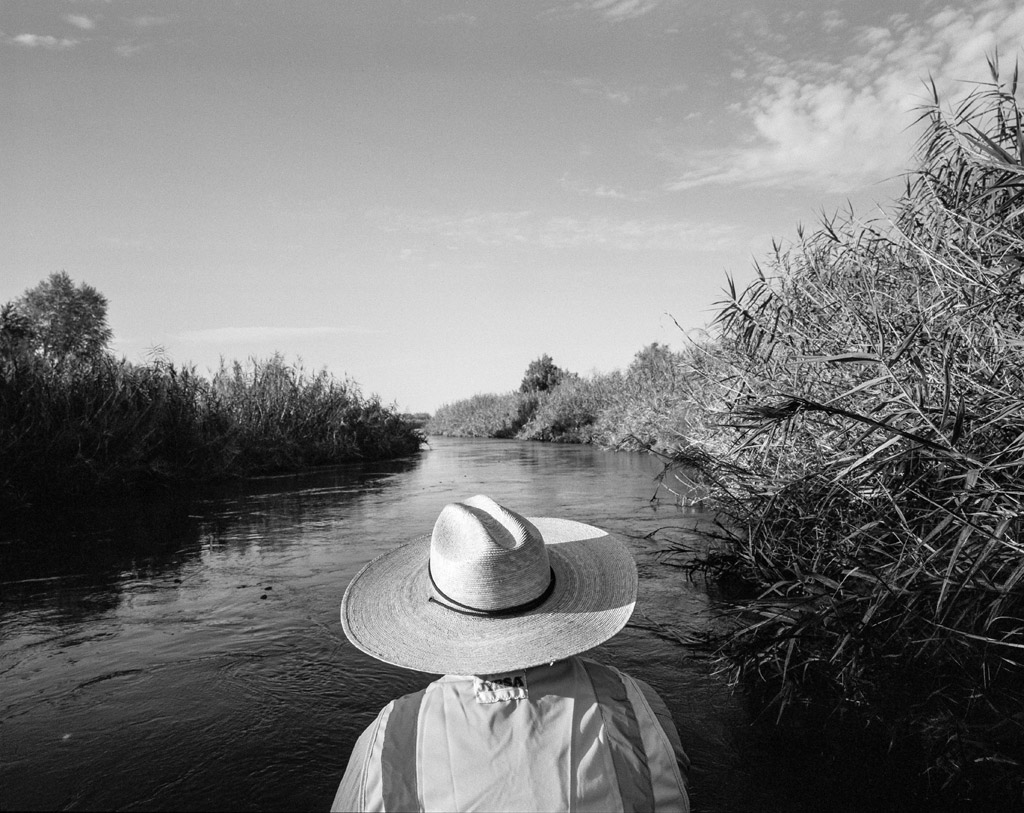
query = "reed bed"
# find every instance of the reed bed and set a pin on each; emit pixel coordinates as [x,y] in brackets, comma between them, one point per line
[859,427]
[106,426]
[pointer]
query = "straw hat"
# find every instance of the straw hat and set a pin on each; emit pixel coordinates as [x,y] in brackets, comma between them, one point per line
[491,591]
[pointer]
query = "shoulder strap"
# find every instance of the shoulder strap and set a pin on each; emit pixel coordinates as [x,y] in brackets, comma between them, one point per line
[625,742]
[398,764]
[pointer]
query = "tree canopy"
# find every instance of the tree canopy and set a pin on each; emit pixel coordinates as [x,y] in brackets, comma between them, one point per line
[542,375]
[58,320]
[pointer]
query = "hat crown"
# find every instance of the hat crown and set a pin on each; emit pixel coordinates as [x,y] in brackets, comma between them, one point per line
[484,556]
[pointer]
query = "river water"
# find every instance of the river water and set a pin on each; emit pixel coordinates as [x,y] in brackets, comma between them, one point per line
[187,654]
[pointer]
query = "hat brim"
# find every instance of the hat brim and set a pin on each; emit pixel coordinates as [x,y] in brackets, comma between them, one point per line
[386,614]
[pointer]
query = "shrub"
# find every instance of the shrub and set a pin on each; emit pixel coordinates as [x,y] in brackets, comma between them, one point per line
[647,407]
[568,413]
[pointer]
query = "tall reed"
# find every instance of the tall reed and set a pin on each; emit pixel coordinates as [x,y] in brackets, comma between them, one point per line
[104,425]
[861,435]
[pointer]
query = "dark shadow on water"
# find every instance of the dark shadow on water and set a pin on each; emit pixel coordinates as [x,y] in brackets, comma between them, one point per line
[45,555]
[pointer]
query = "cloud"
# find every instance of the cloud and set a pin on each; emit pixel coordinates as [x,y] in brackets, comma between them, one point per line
[240,335]
[600,191]
[40,41]
[130,49]
[618,10]
[461,18]
[632,234]
[592,87]
[149,21]
[832,20]
[842,125]
[80,21]
[525,228]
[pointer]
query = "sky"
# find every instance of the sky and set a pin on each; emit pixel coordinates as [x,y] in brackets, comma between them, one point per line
[425,196]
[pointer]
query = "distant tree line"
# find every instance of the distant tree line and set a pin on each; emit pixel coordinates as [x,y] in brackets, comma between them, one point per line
[641,408]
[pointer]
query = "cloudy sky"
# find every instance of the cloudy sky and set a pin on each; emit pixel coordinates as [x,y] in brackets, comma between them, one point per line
[428,195]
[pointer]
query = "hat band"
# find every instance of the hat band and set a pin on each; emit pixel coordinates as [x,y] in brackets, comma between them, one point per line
[465,609]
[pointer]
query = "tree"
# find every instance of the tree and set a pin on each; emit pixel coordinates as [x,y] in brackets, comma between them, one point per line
[16,332]
[656,365]
[62,321]
[542,375]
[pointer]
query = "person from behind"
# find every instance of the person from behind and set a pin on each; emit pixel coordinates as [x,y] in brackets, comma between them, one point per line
[503,606]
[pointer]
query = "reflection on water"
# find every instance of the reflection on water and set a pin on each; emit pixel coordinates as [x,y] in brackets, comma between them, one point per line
[188,655]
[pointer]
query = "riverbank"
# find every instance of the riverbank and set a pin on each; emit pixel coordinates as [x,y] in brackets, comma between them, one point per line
[104,427]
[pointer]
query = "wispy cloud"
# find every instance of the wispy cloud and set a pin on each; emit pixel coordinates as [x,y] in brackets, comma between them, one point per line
[460,18]
[130,49]
[843,125]
[832,20]
[600,190]
[39,41]
[80,21]
[525,228]
[632,234]
[149,21]
[589,86]
[239,335]
[618,10]
[592,87]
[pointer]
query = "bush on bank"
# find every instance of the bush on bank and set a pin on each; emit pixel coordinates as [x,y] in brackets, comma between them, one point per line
[859,422]
[647,407]
[100,425]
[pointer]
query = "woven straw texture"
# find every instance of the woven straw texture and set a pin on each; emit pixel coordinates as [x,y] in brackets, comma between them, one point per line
[386,611]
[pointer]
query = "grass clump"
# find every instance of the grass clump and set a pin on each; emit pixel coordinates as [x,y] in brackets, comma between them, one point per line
[861,433]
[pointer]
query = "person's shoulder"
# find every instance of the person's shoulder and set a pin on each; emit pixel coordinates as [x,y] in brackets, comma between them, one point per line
[644,688]
[410,698]
[597,667]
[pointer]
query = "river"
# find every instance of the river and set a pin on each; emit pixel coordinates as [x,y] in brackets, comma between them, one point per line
[187,654]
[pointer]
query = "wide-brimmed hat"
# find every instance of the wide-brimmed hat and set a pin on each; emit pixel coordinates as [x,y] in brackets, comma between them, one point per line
[490,591]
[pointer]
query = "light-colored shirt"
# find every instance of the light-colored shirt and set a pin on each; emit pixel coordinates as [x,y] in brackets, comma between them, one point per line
[572,735]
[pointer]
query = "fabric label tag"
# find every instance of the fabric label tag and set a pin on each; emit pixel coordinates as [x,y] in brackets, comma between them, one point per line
[500,689]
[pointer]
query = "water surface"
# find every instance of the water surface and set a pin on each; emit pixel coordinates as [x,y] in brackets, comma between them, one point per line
[188,654]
